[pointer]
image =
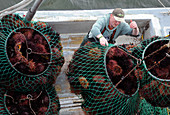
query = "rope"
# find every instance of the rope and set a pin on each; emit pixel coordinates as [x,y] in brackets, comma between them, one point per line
[164,6]
[15,7]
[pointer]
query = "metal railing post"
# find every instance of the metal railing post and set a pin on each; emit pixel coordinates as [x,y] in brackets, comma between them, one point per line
[30,14]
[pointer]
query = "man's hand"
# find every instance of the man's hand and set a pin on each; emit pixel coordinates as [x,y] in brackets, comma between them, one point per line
[103,41]
[135,28]
[133,24]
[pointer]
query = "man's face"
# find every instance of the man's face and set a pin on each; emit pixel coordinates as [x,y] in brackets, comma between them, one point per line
[114,23]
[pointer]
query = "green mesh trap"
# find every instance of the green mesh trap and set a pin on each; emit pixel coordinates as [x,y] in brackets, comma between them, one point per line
[30,53]
[154,71]
[146,108]
[104,79]
[42,102]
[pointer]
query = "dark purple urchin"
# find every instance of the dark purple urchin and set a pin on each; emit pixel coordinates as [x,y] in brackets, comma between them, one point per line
[38,39]
[42,110]
[31,45]
[17,37]
[28,33]
[115,52]
[40,48]
[125,63]
[40,67]
[36,48]
[114,67]
[162,72]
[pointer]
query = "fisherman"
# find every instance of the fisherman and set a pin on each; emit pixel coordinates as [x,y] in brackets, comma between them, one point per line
[107,28]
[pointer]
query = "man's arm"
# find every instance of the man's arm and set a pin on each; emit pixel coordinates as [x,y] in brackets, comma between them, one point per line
[99,24]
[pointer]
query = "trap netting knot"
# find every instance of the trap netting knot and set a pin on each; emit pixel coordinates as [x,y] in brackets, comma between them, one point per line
[154,71]
[103,78]
[31,53]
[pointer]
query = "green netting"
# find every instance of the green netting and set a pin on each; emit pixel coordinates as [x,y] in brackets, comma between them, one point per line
[105,79]
[30,53]
[42,102]
[154,71]
[3,110]
[146,108]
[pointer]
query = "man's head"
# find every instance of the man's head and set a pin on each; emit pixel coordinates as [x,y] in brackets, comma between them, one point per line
[118,14]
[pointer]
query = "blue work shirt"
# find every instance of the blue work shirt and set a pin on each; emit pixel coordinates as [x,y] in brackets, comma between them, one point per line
[122,29]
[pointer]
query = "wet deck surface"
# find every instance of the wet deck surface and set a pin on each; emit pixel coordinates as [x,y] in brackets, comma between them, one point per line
[70,103]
